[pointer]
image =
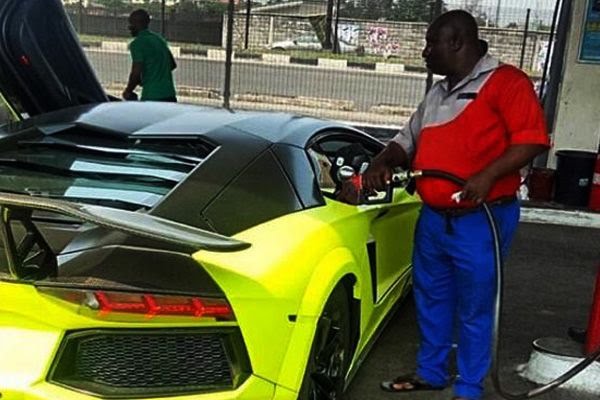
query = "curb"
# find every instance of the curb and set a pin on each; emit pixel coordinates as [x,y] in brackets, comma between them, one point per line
[268,58]
[582,219]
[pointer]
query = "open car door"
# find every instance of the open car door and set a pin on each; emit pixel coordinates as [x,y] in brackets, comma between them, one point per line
[42,65]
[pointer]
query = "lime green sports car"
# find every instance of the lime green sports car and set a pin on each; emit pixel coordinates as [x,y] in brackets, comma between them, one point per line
[155,250]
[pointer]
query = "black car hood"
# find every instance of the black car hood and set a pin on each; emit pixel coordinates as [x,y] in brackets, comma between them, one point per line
[42,65]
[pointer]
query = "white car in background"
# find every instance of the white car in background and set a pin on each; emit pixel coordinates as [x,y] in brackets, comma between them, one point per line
[308,42]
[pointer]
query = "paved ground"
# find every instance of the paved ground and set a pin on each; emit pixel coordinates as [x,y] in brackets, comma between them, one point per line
[549,283]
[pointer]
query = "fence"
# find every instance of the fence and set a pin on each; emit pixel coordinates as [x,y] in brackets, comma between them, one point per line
[402,41]
[194,28]
[325,58]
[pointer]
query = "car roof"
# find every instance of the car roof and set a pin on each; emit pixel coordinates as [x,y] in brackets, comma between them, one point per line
[166,119]
[260,152]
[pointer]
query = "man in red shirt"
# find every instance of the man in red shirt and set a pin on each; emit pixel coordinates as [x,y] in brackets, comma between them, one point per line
[482,123]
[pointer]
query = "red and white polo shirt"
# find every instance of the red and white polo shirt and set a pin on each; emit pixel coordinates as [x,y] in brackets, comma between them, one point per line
[464,129]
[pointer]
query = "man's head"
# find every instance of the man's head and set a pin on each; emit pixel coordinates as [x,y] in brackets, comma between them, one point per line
[452,41]
[138,21]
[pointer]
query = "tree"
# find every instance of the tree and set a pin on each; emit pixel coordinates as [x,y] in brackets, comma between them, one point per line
[154,8]
[412,10]
[209,7]
[396,10]
[213,8]
[366,9]
[478,12]
[114,6]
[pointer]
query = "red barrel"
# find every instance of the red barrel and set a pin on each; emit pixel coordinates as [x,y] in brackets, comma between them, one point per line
[592,337]
[595,192]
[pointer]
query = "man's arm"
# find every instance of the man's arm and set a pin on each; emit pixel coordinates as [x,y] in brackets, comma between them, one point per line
[135,78]
[397,153]
[379,173]
[173,63]
[513,159]
[522,114]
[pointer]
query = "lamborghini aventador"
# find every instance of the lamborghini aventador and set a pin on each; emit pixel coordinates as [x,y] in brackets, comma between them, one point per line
[155,250]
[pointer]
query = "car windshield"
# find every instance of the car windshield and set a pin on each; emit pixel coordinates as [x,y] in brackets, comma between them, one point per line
[99,168]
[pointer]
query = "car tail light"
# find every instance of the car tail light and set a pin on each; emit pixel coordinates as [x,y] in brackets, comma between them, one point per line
[106,303]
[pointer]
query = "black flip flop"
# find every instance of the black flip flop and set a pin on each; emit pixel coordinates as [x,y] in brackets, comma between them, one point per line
[417,384]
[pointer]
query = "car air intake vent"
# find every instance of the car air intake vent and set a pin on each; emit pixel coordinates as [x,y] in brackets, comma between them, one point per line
[150,362]
[153,360]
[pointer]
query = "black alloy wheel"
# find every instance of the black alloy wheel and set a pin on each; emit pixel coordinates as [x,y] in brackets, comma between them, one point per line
[330,353]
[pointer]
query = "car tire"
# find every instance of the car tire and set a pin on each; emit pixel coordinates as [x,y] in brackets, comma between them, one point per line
[330,356]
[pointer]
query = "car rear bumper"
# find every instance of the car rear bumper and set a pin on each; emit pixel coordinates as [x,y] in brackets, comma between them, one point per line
[35,337]
[254,388]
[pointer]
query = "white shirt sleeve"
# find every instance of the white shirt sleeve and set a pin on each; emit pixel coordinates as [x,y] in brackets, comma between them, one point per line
[408,135]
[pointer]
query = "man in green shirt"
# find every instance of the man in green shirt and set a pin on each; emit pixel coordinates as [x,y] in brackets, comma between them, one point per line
[152,62]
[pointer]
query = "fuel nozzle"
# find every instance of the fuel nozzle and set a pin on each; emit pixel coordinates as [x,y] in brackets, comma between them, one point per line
[400,177]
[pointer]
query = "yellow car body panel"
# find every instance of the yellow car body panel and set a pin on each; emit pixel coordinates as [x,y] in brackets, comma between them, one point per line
[276,288]
[298,282]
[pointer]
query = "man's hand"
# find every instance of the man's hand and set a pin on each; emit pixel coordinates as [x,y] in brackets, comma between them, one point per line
[515,157]
[173,62]
[478,187]
[135,79]
[129,95]
[379,173]
[377,176]
[349,194]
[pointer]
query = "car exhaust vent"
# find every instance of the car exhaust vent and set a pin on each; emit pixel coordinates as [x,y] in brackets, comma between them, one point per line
[149,362]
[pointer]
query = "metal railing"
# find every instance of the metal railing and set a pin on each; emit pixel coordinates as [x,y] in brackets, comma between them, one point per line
[339,59]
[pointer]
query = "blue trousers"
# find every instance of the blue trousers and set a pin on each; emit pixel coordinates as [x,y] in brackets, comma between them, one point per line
[454,287]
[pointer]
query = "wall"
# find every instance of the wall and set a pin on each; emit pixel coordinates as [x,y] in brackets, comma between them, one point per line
[403,40]
[191,28]
[578,113]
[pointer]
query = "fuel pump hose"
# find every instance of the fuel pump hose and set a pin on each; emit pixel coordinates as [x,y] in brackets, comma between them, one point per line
[405,175]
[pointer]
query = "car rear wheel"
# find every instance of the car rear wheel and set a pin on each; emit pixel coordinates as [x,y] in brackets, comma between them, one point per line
[330,352]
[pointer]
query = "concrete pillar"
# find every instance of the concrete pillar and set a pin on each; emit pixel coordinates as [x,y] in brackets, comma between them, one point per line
[578,115]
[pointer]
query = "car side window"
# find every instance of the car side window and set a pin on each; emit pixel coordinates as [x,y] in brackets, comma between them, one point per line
[322,166]
[324,154]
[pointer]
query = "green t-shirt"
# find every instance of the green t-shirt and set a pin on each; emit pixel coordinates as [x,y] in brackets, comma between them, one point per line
[151,50]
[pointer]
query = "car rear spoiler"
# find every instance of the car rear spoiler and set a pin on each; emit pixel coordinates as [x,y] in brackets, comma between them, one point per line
[129,222]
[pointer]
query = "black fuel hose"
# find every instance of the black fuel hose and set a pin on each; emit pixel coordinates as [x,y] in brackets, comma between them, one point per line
[498,303]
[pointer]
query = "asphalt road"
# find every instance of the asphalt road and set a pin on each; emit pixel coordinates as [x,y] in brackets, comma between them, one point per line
[365,88]
[549,278]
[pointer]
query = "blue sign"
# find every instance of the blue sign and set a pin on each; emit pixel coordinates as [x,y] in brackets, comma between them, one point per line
[590,39]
